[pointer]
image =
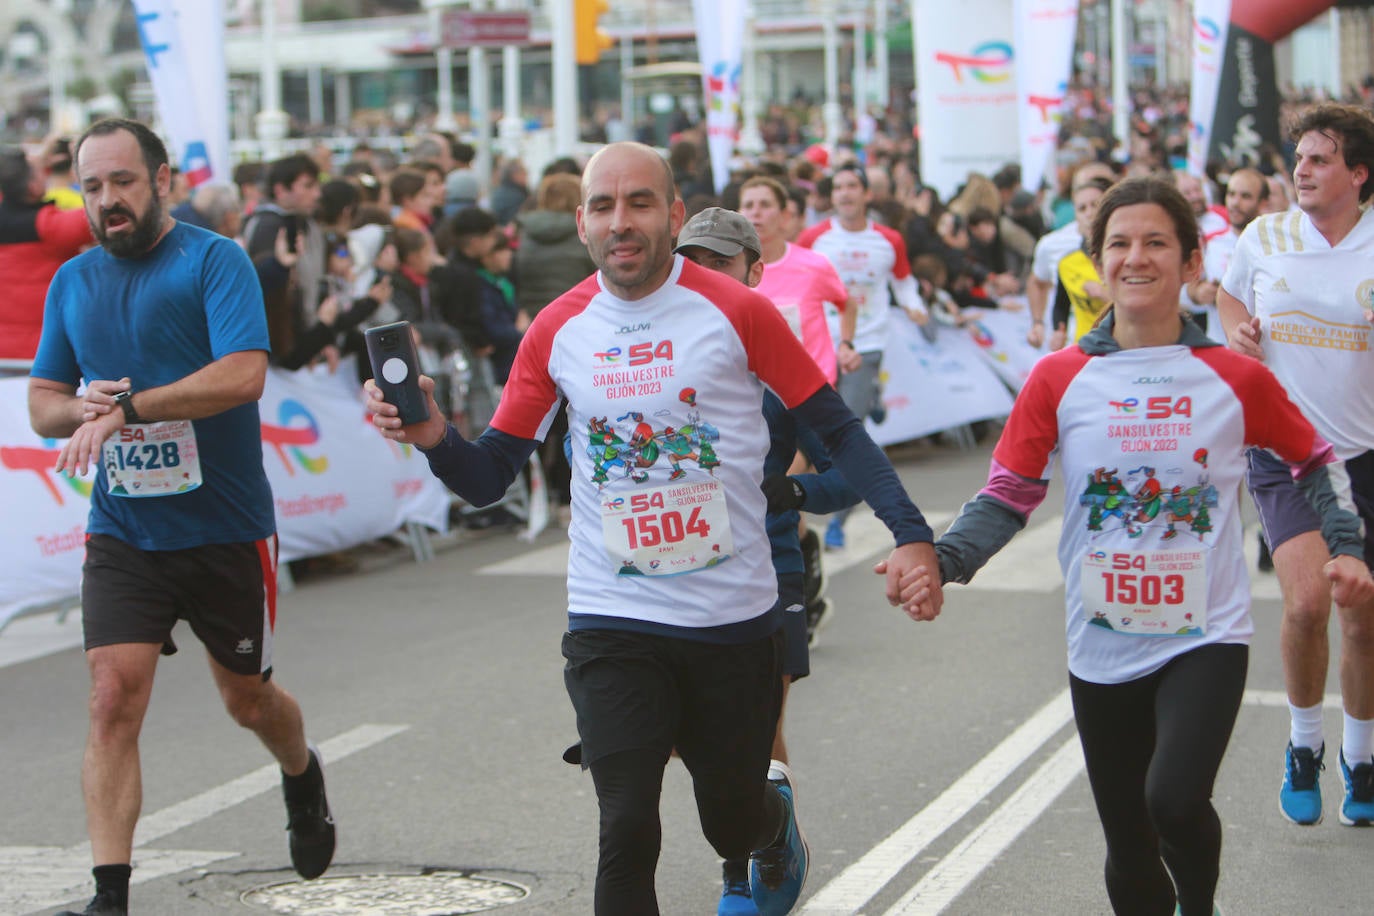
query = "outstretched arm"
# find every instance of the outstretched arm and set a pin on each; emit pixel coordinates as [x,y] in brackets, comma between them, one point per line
[987,522]
[480,471]
[867,469]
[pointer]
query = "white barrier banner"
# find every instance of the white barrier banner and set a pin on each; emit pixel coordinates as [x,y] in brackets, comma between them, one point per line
[965,78]
[1211,22]
[336,483]
[930,386]
[1000,335]
[183,44]
[1045,31]
[720,42]
[43,540]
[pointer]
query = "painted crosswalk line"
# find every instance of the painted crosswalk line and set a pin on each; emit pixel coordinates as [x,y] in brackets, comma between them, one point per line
[39,877]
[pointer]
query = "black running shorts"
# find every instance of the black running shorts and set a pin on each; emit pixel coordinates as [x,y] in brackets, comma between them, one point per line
[796,659]
[226,592]
[1285,513]
[718,705]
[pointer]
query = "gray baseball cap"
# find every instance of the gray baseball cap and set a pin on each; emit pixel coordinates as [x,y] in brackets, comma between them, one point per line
[720,230]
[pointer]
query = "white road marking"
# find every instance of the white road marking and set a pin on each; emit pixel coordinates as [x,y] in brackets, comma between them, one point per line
[947,879]
[857,884]
[38,877]
[956,871]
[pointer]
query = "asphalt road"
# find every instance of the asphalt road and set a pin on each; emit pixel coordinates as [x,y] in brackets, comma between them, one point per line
[936,765]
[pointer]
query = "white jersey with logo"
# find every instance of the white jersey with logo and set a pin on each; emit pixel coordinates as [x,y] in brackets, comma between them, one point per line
[664,402]
[1310,299]
[1051,249]
[1151,445]
[873,265]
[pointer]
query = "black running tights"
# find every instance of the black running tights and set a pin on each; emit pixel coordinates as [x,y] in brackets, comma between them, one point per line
[1152,748]
[628,785]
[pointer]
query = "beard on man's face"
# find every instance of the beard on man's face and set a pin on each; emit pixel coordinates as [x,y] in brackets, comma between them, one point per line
[127,242]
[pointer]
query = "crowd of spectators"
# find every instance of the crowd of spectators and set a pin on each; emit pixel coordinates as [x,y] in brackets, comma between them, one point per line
[469,259]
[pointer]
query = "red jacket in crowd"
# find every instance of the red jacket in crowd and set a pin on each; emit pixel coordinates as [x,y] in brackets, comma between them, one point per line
[34,242]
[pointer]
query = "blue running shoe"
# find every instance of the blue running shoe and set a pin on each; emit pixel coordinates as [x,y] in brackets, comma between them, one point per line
[1300,798]
[834,535]
[777,873]
[1357,810]
[735,899]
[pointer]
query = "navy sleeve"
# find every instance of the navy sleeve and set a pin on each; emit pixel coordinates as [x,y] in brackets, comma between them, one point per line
[480,471]
[826,490]
[863,465]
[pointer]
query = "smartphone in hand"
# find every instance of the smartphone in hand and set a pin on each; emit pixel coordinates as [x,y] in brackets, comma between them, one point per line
[396,369]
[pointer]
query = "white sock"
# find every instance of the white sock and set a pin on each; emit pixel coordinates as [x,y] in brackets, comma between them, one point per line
[777,769]
[1357,741]
[1306,730]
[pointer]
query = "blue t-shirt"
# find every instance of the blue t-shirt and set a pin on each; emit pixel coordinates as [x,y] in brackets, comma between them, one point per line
[156,319]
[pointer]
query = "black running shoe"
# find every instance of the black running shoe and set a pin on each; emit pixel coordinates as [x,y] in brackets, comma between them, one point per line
[102,904]
[817,616]
[813,570]
[310,824]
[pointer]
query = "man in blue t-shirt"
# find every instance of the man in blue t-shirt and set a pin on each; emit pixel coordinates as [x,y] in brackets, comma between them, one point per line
[165,324]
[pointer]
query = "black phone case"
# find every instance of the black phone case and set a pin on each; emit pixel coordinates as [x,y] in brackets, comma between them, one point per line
[396,369]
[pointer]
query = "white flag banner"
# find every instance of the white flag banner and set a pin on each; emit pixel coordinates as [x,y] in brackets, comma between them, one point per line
[183,46]
[967,99]
[1211,21]
[929,386]
[720,42]
[1045,31]
[335,483]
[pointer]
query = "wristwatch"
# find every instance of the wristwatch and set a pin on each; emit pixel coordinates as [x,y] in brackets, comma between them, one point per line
[125,400]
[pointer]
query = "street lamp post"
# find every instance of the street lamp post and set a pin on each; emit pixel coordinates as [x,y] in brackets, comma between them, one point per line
[271,121]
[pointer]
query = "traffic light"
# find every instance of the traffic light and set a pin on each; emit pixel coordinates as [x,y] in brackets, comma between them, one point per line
[589,40]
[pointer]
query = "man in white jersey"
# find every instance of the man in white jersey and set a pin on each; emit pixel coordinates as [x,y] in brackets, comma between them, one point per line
[872,261]
[1246,195]
[674,633]
[1298,295]
[1050,250]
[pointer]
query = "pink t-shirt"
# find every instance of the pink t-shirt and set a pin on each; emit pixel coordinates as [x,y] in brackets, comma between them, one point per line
[799,284]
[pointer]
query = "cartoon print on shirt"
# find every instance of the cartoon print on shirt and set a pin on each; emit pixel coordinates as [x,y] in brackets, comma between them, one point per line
[639,447]
[1144,500]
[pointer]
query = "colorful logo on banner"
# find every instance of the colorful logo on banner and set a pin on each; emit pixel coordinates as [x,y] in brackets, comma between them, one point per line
[722,86]
[195,164]
[989,62]
[293,438]
[41,461]
[1049,105]
[1207,32]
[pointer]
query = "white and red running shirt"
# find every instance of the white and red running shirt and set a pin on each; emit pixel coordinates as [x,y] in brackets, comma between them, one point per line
[1151,445]
[873,265]
[665,411]
[1310,299]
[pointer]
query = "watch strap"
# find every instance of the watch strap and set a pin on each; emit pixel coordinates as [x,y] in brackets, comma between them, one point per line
[125,400]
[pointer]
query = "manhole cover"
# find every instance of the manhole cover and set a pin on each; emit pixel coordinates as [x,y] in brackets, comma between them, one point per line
[430,893]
